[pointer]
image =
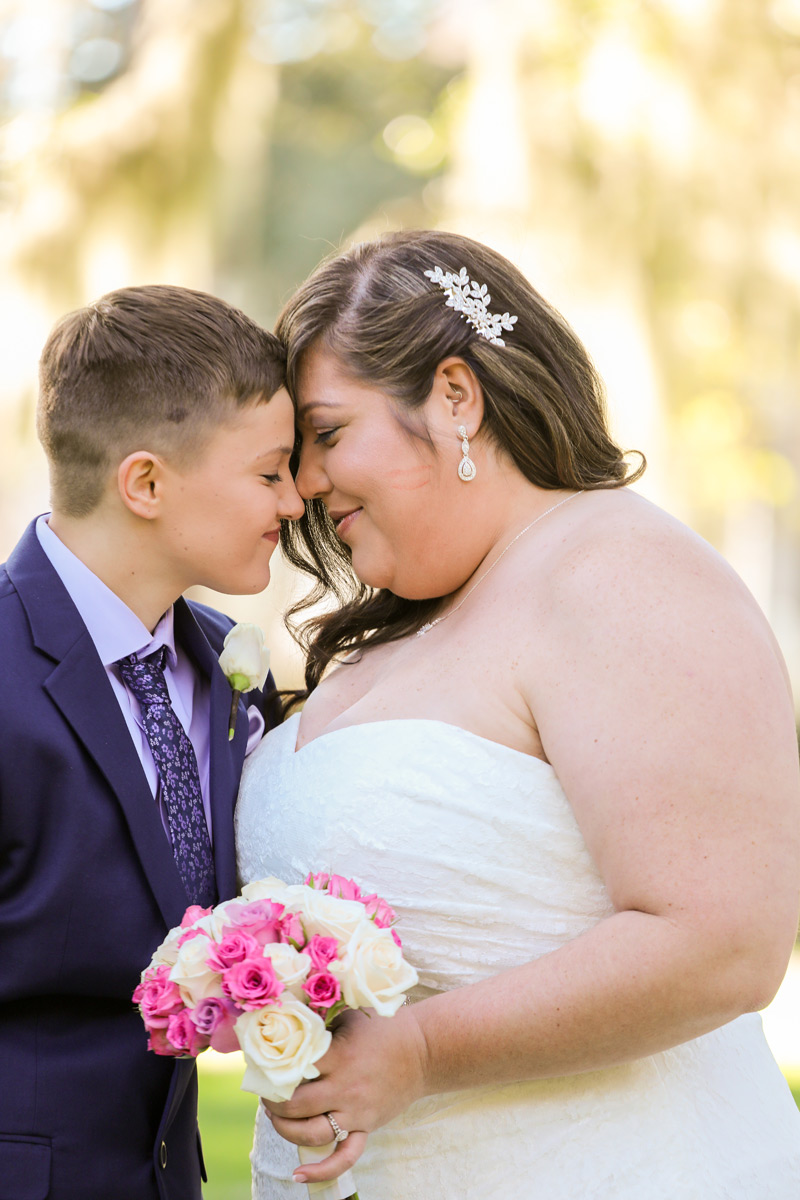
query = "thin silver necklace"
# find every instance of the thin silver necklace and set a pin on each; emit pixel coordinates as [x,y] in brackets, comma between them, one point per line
[437,620]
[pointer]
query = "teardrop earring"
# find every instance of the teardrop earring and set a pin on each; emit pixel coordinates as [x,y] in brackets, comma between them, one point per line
[466,468]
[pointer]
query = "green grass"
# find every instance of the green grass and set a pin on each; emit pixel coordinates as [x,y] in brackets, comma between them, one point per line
[226,1124]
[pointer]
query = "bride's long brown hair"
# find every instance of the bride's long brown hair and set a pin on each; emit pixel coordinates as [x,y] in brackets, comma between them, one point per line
[389,326]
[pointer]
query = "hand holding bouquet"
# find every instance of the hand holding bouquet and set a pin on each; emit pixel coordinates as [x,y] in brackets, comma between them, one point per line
[267,973]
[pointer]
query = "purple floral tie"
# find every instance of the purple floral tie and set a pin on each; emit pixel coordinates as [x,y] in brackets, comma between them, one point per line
[175,759]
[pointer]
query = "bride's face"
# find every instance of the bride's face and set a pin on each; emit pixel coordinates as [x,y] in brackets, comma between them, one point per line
[392,489]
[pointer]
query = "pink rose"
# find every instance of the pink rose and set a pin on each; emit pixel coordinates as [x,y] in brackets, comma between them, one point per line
[158,998]
[318,881]
[193,913]
[347,889]
[379,910]
[215,1019]
[323,990]
[157,1042]
[252,983]
[292,930]
[321,950]
[261,919]
[235,946]
[189,934]
[184,1034]
[397,939]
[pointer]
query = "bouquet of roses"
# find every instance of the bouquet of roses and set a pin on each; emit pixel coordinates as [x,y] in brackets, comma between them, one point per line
[267,973]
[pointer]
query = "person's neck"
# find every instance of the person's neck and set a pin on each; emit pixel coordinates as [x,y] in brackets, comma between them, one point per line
[117,552]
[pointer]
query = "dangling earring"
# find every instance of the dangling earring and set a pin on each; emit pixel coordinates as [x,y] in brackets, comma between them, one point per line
[466,468]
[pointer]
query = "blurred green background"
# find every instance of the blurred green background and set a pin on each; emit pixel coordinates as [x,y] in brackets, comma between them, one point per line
[639,159]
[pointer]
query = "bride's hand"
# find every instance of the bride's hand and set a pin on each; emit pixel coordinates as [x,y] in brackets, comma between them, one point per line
[373,1071]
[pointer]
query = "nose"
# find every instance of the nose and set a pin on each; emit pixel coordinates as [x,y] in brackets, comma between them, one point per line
[290,502]
[311,478]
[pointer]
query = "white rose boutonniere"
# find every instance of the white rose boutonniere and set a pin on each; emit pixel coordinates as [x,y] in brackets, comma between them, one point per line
[245,663]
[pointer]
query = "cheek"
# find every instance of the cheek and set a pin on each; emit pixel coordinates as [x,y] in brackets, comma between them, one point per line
[409,479]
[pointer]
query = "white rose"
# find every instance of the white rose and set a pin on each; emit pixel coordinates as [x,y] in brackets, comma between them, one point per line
[245,658]
[270,888]
[194,978]
[372,970]
[327,915]
[216,921]
[280,1044]
[167,952]
[291,966]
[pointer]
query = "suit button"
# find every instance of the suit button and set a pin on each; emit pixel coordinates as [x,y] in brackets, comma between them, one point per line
[162,1155]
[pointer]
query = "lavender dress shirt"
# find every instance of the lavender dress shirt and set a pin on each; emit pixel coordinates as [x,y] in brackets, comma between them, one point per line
[117,632]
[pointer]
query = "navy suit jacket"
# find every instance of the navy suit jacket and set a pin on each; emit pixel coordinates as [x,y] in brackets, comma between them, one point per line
[88,888]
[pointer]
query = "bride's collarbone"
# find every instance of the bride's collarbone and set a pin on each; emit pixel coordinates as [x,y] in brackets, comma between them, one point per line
[461,690]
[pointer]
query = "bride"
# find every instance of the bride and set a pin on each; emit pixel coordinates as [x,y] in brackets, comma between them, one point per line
[556,733]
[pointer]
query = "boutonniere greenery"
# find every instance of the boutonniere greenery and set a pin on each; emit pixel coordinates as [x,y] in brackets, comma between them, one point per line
[245,663]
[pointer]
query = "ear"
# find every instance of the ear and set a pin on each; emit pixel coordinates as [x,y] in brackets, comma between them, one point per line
[456,398]
[140,480]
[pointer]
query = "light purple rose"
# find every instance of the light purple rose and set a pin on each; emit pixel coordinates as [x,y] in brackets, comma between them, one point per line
[262,919]
[215,1019]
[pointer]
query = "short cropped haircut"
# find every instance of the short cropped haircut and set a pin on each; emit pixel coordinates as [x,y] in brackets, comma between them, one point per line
[144,368]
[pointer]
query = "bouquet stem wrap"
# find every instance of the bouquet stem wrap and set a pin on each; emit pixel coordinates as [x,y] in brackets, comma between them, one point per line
[343,1188]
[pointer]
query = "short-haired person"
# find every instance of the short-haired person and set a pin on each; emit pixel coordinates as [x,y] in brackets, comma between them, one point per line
[168,432]
[558,738]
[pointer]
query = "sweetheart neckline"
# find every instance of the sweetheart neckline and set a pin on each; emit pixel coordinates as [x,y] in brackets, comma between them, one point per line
[445,725]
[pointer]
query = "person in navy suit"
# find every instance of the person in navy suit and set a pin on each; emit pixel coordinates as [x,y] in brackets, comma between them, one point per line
[168,434]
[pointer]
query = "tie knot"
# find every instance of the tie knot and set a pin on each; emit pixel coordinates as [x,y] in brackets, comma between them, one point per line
[145,677]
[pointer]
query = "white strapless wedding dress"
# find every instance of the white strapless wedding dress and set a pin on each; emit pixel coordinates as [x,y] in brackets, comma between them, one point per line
[476,847]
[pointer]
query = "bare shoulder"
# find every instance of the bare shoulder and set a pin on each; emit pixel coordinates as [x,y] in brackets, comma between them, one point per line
[626,565]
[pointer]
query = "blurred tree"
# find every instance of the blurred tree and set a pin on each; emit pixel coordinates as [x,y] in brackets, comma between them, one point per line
[640,159]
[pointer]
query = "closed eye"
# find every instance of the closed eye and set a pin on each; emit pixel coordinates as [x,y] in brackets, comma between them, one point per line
[324,435]
[272,478]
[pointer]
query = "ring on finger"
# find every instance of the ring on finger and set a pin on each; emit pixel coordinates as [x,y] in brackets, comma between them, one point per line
[340,1135]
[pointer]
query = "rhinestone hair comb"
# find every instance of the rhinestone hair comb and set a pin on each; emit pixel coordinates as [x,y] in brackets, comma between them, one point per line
[472,300]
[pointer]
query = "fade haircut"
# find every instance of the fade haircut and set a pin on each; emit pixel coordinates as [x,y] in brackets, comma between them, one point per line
[144,368]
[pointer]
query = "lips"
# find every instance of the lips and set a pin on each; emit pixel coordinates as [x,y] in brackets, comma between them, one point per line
[273,535]
[344,520]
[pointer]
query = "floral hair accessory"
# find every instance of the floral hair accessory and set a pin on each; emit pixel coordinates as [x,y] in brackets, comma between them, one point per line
[472,300]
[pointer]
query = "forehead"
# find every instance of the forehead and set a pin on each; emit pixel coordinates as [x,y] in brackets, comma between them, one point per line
[260,428]
[323,382]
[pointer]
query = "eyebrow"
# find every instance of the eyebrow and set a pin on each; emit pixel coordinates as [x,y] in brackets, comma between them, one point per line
[305,409]
[280,451]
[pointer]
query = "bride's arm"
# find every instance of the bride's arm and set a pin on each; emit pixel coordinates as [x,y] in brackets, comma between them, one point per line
[662,703]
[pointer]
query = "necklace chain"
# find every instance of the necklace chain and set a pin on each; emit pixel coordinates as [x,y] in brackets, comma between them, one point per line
[437,620]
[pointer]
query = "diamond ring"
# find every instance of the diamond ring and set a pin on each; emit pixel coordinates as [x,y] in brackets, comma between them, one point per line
[339,1134]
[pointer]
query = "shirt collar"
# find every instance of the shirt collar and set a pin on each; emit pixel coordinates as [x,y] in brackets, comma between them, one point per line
[113,627]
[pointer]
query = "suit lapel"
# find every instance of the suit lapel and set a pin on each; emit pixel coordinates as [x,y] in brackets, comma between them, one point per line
[79,687]
[227,756]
